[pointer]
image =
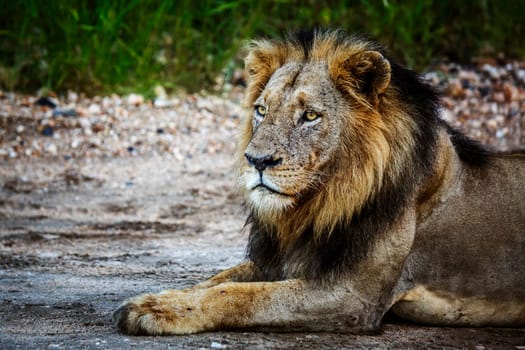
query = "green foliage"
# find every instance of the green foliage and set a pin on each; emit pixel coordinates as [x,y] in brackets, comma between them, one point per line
[103,46]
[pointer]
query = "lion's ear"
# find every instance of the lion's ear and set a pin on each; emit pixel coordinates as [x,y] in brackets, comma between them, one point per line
[263,59]
[369,73]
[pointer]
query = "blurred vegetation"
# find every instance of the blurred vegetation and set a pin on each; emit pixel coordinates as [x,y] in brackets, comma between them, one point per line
[101,46]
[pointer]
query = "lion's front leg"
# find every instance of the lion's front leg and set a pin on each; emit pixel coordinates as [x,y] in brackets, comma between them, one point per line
[244,272]
[287,305]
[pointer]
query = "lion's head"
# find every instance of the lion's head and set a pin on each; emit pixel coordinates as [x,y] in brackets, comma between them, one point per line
[328,130]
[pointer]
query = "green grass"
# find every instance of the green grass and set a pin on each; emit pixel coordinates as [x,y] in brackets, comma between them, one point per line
[121,46]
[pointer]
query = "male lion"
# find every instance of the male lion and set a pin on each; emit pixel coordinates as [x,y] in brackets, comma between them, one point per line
[361,201]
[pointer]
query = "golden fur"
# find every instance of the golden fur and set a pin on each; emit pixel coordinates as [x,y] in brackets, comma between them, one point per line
[384,134]
[361,201]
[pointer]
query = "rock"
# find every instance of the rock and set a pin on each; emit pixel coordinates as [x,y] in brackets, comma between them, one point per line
[47,130]
[51,148]
[216,345]
[455,89]
[75,143]
[502,132]
[135,99]
[162,103]
[491,71]
[499,97]
[98,127]
[66,112]
[72,96]
[95,142]
[510,92]
[484,90]
[84,123]
[492,124]
[160,92]
[465,84]
[11,153]
[94,109]
[46,102]
[469,76]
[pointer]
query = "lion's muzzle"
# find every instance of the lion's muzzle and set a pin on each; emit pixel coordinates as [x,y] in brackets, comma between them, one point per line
[264,162]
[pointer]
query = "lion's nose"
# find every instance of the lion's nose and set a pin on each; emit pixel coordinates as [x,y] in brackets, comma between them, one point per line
[262,163]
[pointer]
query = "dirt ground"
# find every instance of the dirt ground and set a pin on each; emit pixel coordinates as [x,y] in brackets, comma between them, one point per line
[105,204]
[86,236]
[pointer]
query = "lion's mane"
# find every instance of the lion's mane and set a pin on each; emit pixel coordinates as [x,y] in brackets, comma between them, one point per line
[388,149]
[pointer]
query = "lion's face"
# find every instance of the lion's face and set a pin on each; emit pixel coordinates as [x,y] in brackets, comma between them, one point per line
[316,132]
[296,125]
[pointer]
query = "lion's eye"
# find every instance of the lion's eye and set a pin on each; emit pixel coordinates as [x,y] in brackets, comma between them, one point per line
[310,116]
[260,110]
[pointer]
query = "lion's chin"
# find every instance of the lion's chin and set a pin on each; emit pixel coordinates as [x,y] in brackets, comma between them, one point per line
[267,201]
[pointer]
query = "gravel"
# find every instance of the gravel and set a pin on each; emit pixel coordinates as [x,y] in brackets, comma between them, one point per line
[116,126]
[486,102]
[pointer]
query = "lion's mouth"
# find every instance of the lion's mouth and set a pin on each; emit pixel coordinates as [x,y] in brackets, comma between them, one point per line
[263,186]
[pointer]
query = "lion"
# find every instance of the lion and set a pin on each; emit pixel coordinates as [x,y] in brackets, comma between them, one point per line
[361,201]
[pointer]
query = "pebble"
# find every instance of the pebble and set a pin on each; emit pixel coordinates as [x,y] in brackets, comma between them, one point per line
[98,127]
[162,102]
[135,99]
[51,148]
[11,153]
[46,102]
[501,132]
[160,92]
[455,89]
[94,109]
[75,143]
[492,124]
[67,112]
[84,123]
[491,71]
[510,92]
[47,131]
[499,97]
[72,97]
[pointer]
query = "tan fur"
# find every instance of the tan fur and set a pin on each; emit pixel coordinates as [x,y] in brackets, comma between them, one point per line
[384,131]
[453,256]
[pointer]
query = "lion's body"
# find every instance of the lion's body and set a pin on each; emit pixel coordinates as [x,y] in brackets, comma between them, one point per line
[466,266]
[361,201]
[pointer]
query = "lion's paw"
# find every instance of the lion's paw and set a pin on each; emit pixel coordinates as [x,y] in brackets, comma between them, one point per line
[160,314]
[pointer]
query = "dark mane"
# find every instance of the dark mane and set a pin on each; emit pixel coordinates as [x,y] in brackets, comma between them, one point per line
[305,38]
[427,101]
[468,150]
[351,240]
